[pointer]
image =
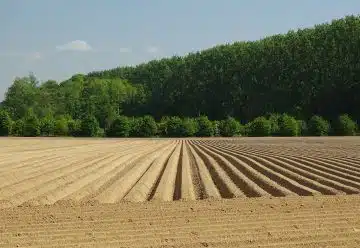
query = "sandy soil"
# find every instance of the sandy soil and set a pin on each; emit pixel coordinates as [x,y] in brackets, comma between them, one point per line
[171,192]
[43,171]
[321,221]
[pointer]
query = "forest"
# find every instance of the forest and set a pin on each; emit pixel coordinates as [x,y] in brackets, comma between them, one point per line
[304,82]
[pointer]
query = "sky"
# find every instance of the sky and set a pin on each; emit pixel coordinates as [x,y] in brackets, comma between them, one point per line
[55,39]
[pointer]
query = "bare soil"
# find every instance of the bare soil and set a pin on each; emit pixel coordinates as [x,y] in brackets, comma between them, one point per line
[241,192]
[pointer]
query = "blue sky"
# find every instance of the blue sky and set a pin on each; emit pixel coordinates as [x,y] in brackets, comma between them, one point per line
[56,39]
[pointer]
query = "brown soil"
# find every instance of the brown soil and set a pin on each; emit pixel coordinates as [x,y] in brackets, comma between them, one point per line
[287,192]
[321,221]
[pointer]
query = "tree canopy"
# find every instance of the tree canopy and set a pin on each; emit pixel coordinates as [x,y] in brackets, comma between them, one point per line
[304,73]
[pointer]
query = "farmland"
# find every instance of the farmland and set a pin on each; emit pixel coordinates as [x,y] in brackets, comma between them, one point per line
[208,191]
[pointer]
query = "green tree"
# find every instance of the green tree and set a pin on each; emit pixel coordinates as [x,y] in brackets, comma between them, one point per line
[5,123]
[61,127]
[229,127]
[345,126]
[31,126]
[18,128]
[318,126]
[148,127]
[162,126]
[189,127]
[47,126]
[260,126]
[177,127]
[216,125]
[74,127]
[21,96]
[274,120]
[89,126]
[288,126]
[120,127]
[302,127]
[205,127]
[174,127]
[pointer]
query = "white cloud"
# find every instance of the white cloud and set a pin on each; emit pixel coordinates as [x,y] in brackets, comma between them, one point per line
[152,49]
[125,50]
[76,45]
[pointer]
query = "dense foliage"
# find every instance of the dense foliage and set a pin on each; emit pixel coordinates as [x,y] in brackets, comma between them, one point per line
[260,126]
[344,125]
[318,126]
[229,127]
[236,89]
[313,71]
[5,123]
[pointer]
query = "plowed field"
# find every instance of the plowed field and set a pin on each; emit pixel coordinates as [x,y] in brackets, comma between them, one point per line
[145,192]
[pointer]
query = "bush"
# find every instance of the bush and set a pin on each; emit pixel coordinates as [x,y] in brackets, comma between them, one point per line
[259,127]
[302,127]
[229,127]
[189,127]
[74,127]
[47,126]
[61,127]
[5,123]
[345,126]
[274,119]
[31,125]
[143,127]
[205,127]
[120,127]
[148,126]
[89,126]
[177,127]
[18,128]
[318,126]
[288,126]
[101,132]
[216,126]
[174,127]
[162,126]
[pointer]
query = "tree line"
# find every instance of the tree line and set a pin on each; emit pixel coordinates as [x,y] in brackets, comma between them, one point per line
[311,71]
[304,73]
[173,126]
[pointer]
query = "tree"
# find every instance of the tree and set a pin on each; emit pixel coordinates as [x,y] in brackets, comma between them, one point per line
[47,126]
[61,127]
[345,126]
[120,127]
[205,127]
[31,126]
[162,126]
[143,127]
[148,127]
[20,96]
[5,123]
[288,126]
[18,128]
[174,127]
[216,125]
[318,126]
[177,127]
[260,126]
[302,127]
[189,127]
[274,120]
[315,72]
[89,126]
[74,127]
[229,127]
